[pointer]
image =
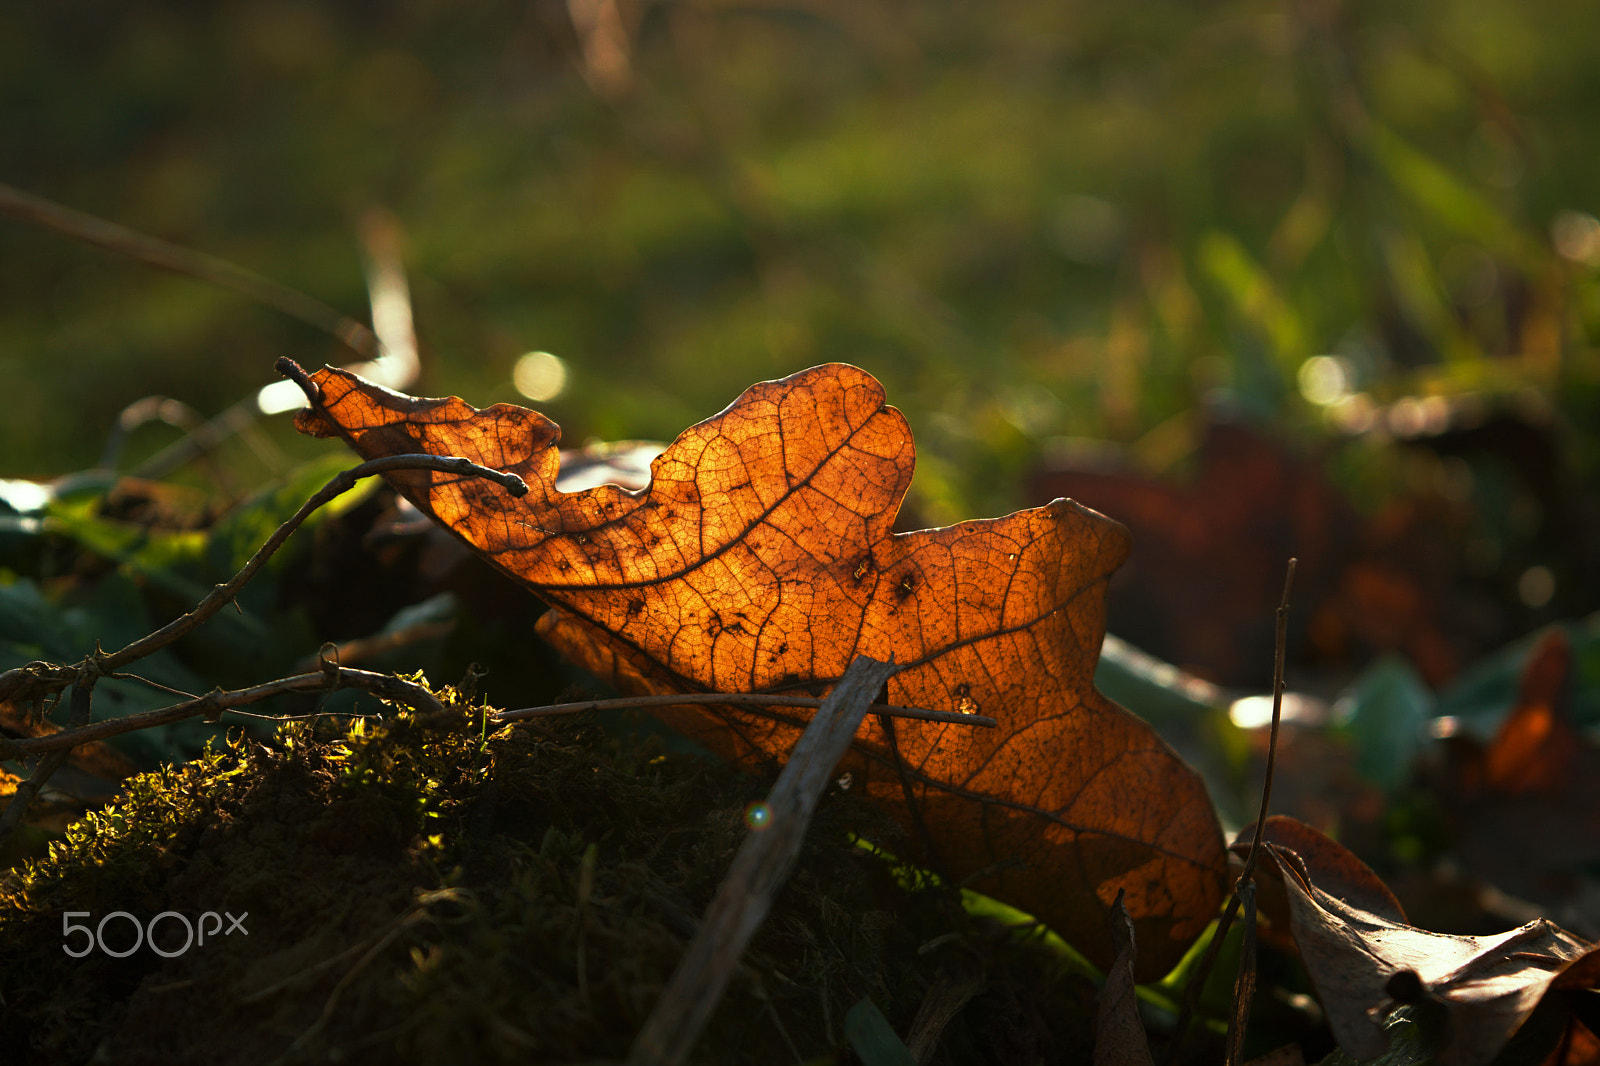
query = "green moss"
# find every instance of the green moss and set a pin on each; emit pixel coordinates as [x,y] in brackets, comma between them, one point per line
[420,891]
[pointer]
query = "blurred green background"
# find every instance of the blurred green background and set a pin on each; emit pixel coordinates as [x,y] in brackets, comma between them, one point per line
[1040,223]
[1256,278]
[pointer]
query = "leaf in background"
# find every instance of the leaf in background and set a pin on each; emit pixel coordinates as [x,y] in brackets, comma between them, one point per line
[30,626]
[1198,592]
[1190,713]
[234,538]
[1386,712]
[1479,698]
[1256,299]
[1353,939]
[1527,806]
[62,626]
[761,558]
[1537,746]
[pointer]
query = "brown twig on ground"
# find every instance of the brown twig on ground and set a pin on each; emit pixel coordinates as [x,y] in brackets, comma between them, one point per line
[341,483]
[754,699]
[92,758]
[759,869]
[1280,643]
[1244,986]
[77,717]
[213,704]
[417,913]
[1197,980]
[39,680]
[11,817]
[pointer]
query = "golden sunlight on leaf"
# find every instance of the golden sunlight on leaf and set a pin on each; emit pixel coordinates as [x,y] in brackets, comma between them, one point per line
[761,558]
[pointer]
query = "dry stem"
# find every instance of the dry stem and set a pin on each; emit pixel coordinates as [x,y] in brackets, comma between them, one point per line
[759,869]
[1197,980]
[40,680]
[754,699]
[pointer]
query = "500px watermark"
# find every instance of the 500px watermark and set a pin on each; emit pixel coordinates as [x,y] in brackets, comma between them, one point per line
[142,934]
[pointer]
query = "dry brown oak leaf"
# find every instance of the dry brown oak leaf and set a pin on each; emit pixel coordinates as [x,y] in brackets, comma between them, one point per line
[761,558]
[1354,940]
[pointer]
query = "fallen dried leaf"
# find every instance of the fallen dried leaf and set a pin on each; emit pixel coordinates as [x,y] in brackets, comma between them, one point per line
[761,558]
[1364,960]
[1119,1036]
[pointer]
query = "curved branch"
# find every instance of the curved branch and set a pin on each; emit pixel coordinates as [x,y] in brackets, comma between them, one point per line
[341,483]
[35,680]
[214,704]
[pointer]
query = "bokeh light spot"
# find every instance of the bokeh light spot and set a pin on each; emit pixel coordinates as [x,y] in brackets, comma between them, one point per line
[758,816]
[1325,379]
[1536,587]
[539,376]
[1577,237]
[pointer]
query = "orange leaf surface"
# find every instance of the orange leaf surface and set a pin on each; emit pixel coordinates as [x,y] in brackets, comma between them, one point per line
[760,558]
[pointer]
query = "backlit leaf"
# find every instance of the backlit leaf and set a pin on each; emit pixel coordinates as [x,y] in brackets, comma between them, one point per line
[761,558]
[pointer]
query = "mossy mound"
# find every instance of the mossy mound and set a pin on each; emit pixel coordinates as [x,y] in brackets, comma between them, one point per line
[422,892]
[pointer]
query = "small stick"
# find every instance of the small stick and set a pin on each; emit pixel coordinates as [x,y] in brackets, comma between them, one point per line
[930,853]
[159,253]
[759,869]
[38,679]
[1244,985]
[755,699]
[215,703]
[1197,980]
[340,484]
[35,679]
[1281,640]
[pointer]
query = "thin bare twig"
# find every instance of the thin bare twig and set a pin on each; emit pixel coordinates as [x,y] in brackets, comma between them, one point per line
[930,852]
[360,648]
[1197,980]
[1244,986]
[340,484]
[34,681]
[759,869]
[417,913]
[1281,640]
[200,440]
[158,253]
[77,717]
[216,703]
[25,793]
[754,699]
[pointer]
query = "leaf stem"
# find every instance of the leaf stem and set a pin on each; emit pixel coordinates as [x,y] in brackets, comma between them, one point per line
[1281,639]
